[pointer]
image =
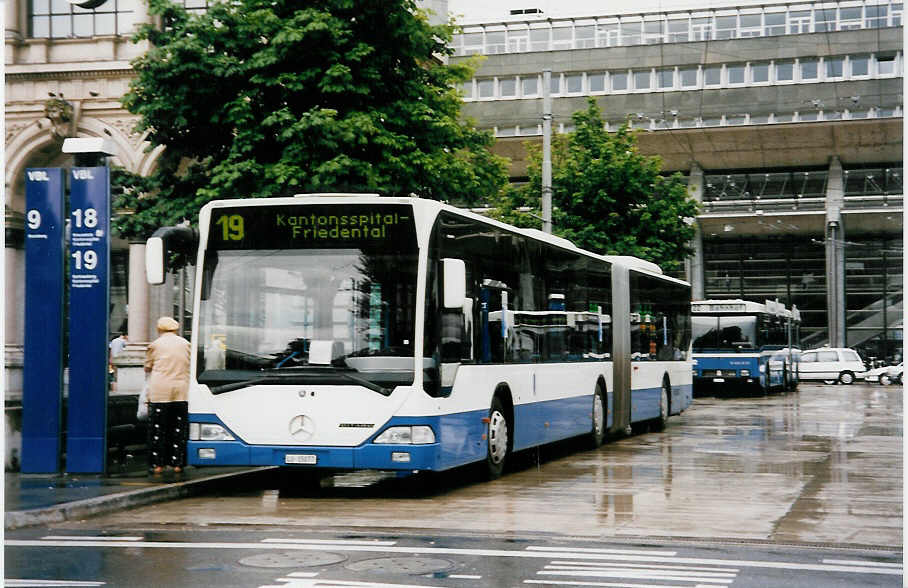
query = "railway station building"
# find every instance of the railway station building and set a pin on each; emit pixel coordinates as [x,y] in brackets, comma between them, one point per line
[786,120]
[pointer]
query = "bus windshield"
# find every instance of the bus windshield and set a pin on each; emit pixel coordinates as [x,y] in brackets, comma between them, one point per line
[724,332]
[274,310]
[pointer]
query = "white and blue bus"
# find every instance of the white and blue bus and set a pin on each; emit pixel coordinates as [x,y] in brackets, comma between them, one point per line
[743,346]
[364,332]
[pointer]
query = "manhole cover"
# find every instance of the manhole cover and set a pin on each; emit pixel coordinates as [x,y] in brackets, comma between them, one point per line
[292,559]
[401,565]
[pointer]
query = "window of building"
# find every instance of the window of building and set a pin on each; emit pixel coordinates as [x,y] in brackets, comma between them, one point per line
[555,84]
[194,5]
[529,86]
[759,73]
[726,27]
[824,20]
[784,71]
[608,34]
[539,39]
[507,87]
[876,17]
[835,67]
[57,19]
[597,82]
[485,88]
[896,15]
[807,116]
[495,42]
[688,77]
[750,25]
[701,28]
[860,65]
[630,31]
[518,40]
[774,23]
[808,69]
[619,81]
[678,30]
[467,89]
[849,18]
[798,22]
[665,78]
[712,75]
[736,73]
[472,43]
[885,65]
[584,37]
[562,38]
[642,80]
[652,32]
[574,83]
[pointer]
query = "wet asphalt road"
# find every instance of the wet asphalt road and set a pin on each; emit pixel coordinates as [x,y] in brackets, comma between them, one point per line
[810,482]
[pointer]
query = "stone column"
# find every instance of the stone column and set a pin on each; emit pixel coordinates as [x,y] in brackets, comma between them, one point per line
[835,254]
[14,274]
[12,30]
[695,273]
[137,296]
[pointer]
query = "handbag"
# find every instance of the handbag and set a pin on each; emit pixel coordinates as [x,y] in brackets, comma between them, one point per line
[142,410]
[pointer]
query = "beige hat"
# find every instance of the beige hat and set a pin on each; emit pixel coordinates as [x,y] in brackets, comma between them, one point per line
[166,323]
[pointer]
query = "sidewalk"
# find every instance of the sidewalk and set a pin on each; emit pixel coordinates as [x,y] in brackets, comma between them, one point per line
[35,499]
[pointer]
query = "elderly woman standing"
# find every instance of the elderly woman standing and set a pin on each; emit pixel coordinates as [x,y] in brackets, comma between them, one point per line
[167,369]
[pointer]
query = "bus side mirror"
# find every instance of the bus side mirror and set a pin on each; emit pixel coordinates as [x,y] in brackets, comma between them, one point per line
[154,260]
[455,281]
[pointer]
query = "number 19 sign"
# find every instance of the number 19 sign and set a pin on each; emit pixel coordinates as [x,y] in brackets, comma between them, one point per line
[89,258]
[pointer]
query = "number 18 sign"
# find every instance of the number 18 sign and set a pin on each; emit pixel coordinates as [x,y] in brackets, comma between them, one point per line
[89,258]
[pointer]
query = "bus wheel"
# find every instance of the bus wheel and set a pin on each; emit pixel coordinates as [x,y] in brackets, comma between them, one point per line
[498,440]
[884,380]
[662,421]
[598,433]
[846,377]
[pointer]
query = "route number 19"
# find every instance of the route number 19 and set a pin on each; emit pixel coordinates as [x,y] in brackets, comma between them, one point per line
[231,227]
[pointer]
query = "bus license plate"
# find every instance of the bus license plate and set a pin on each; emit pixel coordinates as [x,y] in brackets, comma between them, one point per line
[714,380]
[300,459]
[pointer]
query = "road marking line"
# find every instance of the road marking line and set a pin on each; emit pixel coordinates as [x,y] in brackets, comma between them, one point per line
[462,551]
[22,583]
[857,562]
[596,564]
[642,575]
[88,538]
[614,585]
[464,577]
[332,542]
[598,550]
[303,583]
[303,574]
[641,570]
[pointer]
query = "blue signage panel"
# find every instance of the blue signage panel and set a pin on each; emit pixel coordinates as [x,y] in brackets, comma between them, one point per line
[43,370]
[89,261]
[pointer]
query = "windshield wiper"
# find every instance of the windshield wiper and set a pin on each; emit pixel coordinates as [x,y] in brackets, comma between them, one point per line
[303,375]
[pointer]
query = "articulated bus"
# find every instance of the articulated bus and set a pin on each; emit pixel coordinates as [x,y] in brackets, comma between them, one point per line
[743,346]
[363,332]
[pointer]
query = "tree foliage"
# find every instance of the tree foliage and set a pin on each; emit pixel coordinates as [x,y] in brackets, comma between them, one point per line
[607,196]
[258,98]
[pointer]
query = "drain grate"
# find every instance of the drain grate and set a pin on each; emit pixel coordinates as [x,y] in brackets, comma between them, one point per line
[292,559]
[401,565]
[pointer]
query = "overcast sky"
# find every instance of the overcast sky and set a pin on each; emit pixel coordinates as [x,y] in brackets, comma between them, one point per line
[474,11]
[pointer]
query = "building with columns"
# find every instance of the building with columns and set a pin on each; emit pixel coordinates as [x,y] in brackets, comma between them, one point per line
[786,120]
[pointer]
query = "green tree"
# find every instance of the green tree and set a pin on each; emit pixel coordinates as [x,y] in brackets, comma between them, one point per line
[259,98]
[607,196]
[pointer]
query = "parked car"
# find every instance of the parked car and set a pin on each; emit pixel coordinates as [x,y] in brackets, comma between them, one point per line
[830,365]
[877,374]
[893,375]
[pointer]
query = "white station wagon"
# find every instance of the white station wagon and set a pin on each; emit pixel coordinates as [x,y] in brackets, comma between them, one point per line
[831,364]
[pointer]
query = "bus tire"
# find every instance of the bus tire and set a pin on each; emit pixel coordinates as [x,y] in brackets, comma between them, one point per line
[597,435]
[498,438]
[664,406]
[884,380]
[846,378]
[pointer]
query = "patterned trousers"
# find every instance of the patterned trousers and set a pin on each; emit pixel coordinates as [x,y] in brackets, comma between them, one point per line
[168,430]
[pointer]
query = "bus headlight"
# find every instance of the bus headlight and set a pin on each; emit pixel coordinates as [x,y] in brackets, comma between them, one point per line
[415,435]
[745,373]
[209,432]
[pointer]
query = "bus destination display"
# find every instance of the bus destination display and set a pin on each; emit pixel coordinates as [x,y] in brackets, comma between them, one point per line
[374,226]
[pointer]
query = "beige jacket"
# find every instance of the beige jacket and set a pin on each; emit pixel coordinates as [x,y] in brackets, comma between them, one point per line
[167,360]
